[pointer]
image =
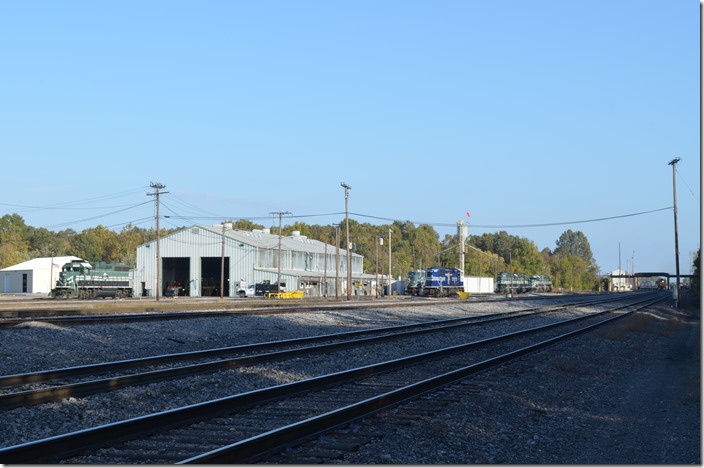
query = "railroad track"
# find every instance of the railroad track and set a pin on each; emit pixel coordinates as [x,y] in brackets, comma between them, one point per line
[79,312]
[247,427]
[16,390]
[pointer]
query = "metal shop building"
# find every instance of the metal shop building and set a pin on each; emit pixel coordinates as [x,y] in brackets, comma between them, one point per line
[191,261]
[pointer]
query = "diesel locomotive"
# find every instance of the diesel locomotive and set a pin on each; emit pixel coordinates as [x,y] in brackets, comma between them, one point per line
[440,282]
[519,283]
[86,280]
[415,280]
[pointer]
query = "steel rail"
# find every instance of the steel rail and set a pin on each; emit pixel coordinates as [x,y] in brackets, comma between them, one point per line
[65,445]
[68,316]
[255,448]
[59,318]
[38,396]
[90,369]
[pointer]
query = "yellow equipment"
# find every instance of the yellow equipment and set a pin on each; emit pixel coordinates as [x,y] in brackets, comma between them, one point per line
[296,294]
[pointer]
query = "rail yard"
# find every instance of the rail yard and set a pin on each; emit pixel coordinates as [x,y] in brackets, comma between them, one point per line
[541,379]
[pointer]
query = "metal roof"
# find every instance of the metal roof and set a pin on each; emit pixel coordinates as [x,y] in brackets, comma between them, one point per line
[317,274]
[262,238]
[42,262]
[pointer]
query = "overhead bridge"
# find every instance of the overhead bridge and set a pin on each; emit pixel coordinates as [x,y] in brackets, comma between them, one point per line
[651,275]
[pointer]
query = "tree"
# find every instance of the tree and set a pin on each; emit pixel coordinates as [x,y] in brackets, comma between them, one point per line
[129,238]
[516,253]
[44,243]
[574,243]
[528,259]
[423,246]
[696,279]
[14,247]
[572,262]
[246,225]
[98,244]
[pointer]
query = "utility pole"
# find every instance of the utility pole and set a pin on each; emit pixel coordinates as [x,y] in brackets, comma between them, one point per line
[325,271]
[278,278]
[633,269]
[389,262]
[157,191]
[222,264]
[337,262]
[376,285]
[673,163]
[349,254]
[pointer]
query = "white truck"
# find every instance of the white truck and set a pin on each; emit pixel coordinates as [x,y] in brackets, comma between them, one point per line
[247,291]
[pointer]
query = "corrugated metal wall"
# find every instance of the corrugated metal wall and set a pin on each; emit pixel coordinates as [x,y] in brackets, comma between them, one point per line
[246,261]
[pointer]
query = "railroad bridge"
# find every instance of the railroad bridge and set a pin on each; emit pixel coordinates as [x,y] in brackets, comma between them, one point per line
[635,276]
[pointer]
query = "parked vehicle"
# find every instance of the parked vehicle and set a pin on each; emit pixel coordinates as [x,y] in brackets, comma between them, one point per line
[266,287]
[247,291]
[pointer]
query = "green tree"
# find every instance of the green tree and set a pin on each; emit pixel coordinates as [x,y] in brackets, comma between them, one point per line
[696,280]
[129,238]
[518,254]
[573,273]
[246,225]
[528,259]
[573,263]
[45,243]
[480,263]
[423,244]
[574,243]
[14,246]
[97,244]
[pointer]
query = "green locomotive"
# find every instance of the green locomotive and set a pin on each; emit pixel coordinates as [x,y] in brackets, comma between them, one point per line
[520,283]
[416,279]
[87,280]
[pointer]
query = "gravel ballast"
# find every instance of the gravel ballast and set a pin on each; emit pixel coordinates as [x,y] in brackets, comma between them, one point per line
[631,397]
[630,393]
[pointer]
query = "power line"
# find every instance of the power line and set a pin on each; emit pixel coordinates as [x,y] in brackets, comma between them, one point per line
[492,226]
[562,223]
[685,181]
[69,205]
[95,217]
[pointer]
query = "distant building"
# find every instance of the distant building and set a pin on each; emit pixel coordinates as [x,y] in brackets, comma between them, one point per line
[620,284]
[479,284]
[38,275]
[191,262]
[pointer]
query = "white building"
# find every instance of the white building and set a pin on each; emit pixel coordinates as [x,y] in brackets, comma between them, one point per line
[619,283]
[38,275]
[192,257]
[479,284]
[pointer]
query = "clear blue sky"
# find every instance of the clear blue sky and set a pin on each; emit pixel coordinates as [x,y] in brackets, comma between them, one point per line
[536,112]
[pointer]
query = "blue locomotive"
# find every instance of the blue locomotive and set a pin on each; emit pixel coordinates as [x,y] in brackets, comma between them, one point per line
[441,282]
[86,280]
